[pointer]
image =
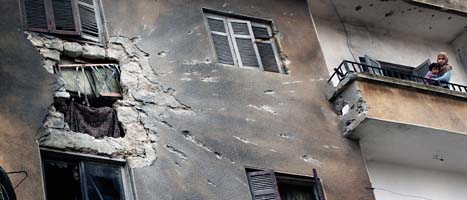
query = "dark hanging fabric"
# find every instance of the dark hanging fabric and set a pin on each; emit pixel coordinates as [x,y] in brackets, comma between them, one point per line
[97,122]
[7,192]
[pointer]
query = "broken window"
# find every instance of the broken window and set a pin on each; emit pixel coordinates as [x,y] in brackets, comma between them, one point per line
[267,184]
[93,89]
[92,81]
[73,177]
[77,18]
[244,42]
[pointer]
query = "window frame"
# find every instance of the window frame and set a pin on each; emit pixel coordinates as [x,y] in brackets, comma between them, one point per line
[314,181]
[227,18]
[74,35]
[126,177]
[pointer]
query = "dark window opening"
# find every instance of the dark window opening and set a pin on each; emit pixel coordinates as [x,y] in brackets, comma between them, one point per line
[93,89]
[76,178]
[267,184]
[73,19]
[244,41]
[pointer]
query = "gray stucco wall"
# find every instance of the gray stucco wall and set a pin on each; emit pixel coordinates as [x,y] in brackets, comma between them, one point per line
[240,117]
[25,93]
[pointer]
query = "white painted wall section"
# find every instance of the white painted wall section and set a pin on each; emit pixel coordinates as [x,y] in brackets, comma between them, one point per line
[397,182]
[381,44]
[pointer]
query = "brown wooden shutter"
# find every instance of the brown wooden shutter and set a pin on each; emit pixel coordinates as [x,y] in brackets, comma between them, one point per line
[36,15]
[64,17]
[220,39]
[88,19]
[88,16]
[263,185]
[243,42]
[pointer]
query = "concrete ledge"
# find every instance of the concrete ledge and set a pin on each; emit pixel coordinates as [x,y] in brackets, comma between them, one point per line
[332,92]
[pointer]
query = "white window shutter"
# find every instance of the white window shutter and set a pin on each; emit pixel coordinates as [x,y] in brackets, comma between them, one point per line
[220,39]
[244,44]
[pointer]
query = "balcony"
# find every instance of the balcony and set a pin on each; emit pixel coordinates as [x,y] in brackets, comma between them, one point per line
[362,93]
[408,129]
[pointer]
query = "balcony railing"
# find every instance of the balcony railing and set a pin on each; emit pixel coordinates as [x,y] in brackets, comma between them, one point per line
[348,67]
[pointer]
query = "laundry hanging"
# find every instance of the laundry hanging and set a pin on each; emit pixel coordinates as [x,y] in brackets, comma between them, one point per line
[97,122]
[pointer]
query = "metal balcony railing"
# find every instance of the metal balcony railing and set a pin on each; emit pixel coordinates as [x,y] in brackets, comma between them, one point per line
[348,67]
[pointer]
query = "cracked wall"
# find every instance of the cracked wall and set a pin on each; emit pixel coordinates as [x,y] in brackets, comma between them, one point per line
[349,104]
[144,106]
[243,118]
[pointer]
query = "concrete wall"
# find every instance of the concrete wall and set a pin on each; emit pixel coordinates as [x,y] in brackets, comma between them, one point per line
[381,44]
[240,117]
[25,93]
[457,5]
[414,107]
[407,183]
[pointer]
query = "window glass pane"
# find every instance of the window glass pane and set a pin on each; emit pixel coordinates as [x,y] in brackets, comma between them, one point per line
[216,25]
[63,14]
[268,58]
[295,192]
[35,14]
[260,32]
[221,44]
[103,182]
[62,180]
[247,52]
[240,28]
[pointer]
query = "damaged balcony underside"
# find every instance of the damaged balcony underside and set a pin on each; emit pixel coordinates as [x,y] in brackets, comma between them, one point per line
[142,94]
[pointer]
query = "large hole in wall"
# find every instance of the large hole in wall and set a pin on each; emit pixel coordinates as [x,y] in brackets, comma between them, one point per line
[139,94]
[93,87]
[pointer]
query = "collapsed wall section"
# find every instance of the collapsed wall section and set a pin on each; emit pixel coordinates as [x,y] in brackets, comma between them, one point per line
[142,108]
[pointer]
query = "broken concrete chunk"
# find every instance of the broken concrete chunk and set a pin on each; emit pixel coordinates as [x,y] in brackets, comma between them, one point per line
[49,65]
[36,41]
[135,131]
[55,120]
[126,115]
[55,44]
[93,52]
[50,54]
[131,67]
[72,49]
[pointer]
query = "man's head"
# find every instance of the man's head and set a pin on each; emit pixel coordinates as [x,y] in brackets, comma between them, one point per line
[442,58]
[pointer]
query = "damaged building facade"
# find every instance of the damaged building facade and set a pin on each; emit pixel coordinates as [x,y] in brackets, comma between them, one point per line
[317,99]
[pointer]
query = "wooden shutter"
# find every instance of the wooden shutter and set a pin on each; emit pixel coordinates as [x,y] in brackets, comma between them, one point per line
[220,39]
[88,16]
[64,17]
[267,48]
[263,185]
[36,15]
[244,44]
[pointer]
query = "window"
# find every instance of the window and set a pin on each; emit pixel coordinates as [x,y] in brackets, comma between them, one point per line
[267,184]
[244,42]
[74,177]
[77,18]
[94,81]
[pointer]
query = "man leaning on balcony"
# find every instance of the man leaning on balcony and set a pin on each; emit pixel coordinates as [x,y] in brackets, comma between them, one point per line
[446,70]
